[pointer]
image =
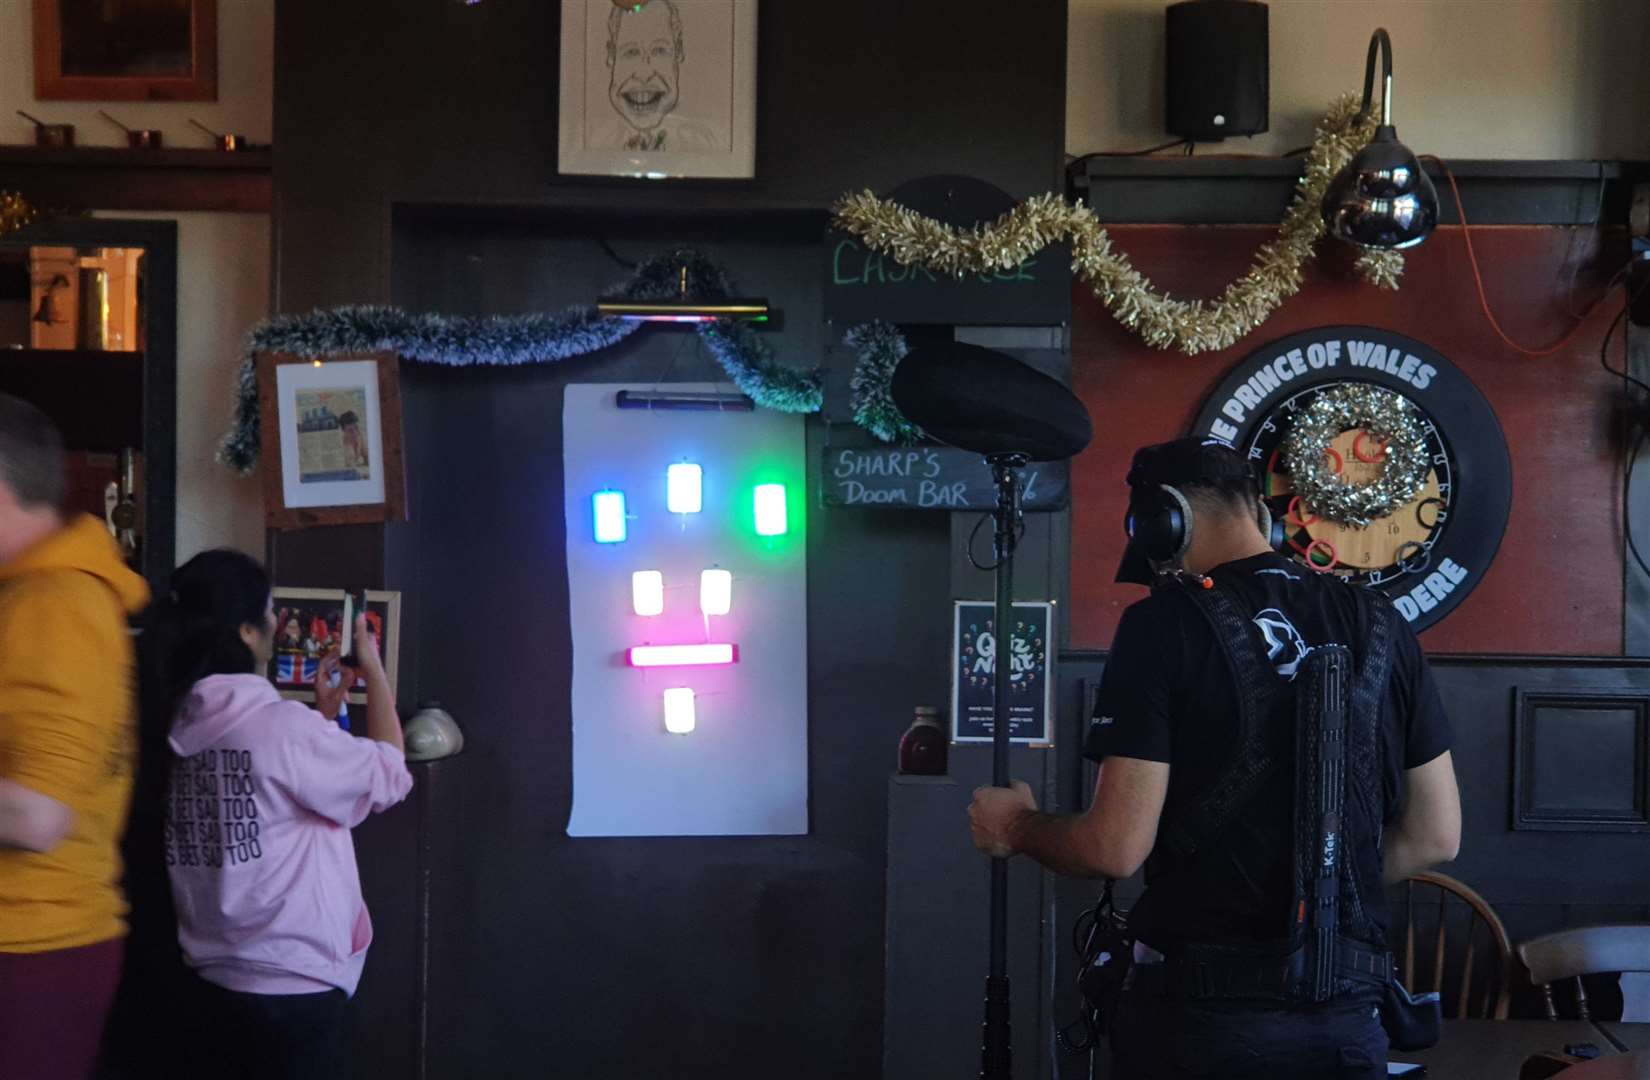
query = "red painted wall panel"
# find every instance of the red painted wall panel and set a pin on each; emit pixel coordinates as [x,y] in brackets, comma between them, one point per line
[1556,584]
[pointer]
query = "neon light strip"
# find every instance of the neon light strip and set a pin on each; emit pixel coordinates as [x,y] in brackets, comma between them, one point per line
[681,655]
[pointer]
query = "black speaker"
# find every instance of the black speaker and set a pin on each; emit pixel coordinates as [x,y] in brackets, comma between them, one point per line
[1218,75]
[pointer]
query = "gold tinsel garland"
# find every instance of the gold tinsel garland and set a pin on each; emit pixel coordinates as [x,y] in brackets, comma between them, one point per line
[1192,326]
[15,212]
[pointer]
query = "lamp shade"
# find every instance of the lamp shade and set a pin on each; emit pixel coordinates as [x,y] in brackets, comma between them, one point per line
[1383,198]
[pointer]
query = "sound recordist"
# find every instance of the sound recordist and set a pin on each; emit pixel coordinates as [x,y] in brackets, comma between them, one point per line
[1273,748]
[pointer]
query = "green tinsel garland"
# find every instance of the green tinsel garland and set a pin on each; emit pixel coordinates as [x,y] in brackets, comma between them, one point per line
[463,341]
[880,348]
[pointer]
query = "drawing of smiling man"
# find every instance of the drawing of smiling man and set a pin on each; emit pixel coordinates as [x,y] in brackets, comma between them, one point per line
[644,57]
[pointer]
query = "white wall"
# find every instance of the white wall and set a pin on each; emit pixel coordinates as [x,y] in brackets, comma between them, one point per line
[223,288]
[246,70]
[1473,78]
[223,259]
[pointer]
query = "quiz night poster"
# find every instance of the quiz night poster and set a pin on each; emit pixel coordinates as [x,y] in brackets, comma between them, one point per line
[974,643]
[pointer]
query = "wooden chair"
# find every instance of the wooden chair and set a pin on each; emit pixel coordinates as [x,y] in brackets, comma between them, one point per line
[1592,950]
[1497,992]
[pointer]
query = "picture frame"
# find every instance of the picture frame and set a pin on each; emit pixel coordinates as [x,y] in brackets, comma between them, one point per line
[973,673]
[122,50]
[317,615]
[331,430]
[659,89]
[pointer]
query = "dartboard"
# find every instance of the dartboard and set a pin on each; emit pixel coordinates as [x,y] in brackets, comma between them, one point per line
[1427,554]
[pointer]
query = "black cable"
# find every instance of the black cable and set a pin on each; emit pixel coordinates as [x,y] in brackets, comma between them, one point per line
[1604,348]
[973,534]
[1190,147]
[1080,158]
[1631,464]
[614,255]
[1084,934]
[1627,501]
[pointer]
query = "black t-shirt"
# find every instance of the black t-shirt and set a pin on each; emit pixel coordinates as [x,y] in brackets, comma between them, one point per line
[1168,695]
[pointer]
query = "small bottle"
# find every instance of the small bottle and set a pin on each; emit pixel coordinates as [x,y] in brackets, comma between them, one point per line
[923,747]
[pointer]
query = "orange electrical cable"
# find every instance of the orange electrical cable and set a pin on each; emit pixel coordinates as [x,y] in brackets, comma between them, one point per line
[1478,279]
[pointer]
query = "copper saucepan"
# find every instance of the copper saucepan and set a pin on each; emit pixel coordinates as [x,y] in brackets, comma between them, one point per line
[136,138]
[225,142]
[49,134]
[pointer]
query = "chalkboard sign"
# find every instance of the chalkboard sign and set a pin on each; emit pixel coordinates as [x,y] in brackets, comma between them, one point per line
[974,640]
[861,285]
[931,478]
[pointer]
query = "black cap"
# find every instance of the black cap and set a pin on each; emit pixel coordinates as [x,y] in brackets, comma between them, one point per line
[1176,464]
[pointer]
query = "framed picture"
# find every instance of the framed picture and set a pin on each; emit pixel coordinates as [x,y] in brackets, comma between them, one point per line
[658,88]
[126,50]
[310,622]
[332,440]
[974,656]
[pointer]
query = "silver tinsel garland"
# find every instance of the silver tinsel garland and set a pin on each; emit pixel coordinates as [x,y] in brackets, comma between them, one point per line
[1384,415]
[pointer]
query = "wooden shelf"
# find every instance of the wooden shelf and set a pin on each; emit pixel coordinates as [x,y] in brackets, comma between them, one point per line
[1235,190]
[115,178]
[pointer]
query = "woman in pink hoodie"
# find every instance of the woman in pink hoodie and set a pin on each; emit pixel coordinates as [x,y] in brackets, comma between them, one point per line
[264,793]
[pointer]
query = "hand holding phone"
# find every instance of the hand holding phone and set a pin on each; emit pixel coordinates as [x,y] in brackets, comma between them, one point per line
[355,611]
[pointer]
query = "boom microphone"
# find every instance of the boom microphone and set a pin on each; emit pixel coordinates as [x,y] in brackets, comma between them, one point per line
[986,401]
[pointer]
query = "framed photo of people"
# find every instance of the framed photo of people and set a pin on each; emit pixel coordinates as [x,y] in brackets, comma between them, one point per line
[332,440]
[658,88]
[309,623]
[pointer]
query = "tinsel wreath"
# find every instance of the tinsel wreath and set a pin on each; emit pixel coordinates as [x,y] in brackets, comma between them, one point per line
[15,212]
[1379,413]
[879,348]
[1192,326]
[468,341]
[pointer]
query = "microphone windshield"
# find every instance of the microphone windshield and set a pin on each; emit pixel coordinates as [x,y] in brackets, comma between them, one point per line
[986,401]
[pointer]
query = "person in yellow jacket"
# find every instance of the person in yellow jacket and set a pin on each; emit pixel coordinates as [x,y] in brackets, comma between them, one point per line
[67,743]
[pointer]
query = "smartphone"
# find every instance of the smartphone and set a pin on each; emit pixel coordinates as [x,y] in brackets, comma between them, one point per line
[355,602]
[1396,1068]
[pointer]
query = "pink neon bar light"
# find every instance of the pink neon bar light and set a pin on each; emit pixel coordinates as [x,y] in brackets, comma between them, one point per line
[682,655]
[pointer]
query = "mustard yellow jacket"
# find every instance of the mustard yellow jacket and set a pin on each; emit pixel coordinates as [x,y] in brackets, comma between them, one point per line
[67,730]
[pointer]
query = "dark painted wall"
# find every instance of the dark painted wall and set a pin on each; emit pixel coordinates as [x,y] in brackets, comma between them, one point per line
[1560,413]
[377,103]
[686,957]
[416,163]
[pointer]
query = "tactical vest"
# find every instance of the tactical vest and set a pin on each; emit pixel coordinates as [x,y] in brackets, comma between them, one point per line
[1332,947]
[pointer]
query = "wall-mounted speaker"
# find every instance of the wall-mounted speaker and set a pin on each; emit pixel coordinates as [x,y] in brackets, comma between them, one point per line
[1218,69]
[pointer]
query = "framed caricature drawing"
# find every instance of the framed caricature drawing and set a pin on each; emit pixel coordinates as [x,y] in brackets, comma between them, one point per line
[658,88]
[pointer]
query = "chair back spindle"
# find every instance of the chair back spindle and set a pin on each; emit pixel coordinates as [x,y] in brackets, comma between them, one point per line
[1587,950]
[1497,959]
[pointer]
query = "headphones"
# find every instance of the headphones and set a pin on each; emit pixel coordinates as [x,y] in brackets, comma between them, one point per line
[1160,519]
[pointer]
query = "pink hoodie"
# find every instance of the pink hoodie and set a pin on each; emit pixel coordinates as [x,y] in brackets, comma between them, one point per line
[264,794]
